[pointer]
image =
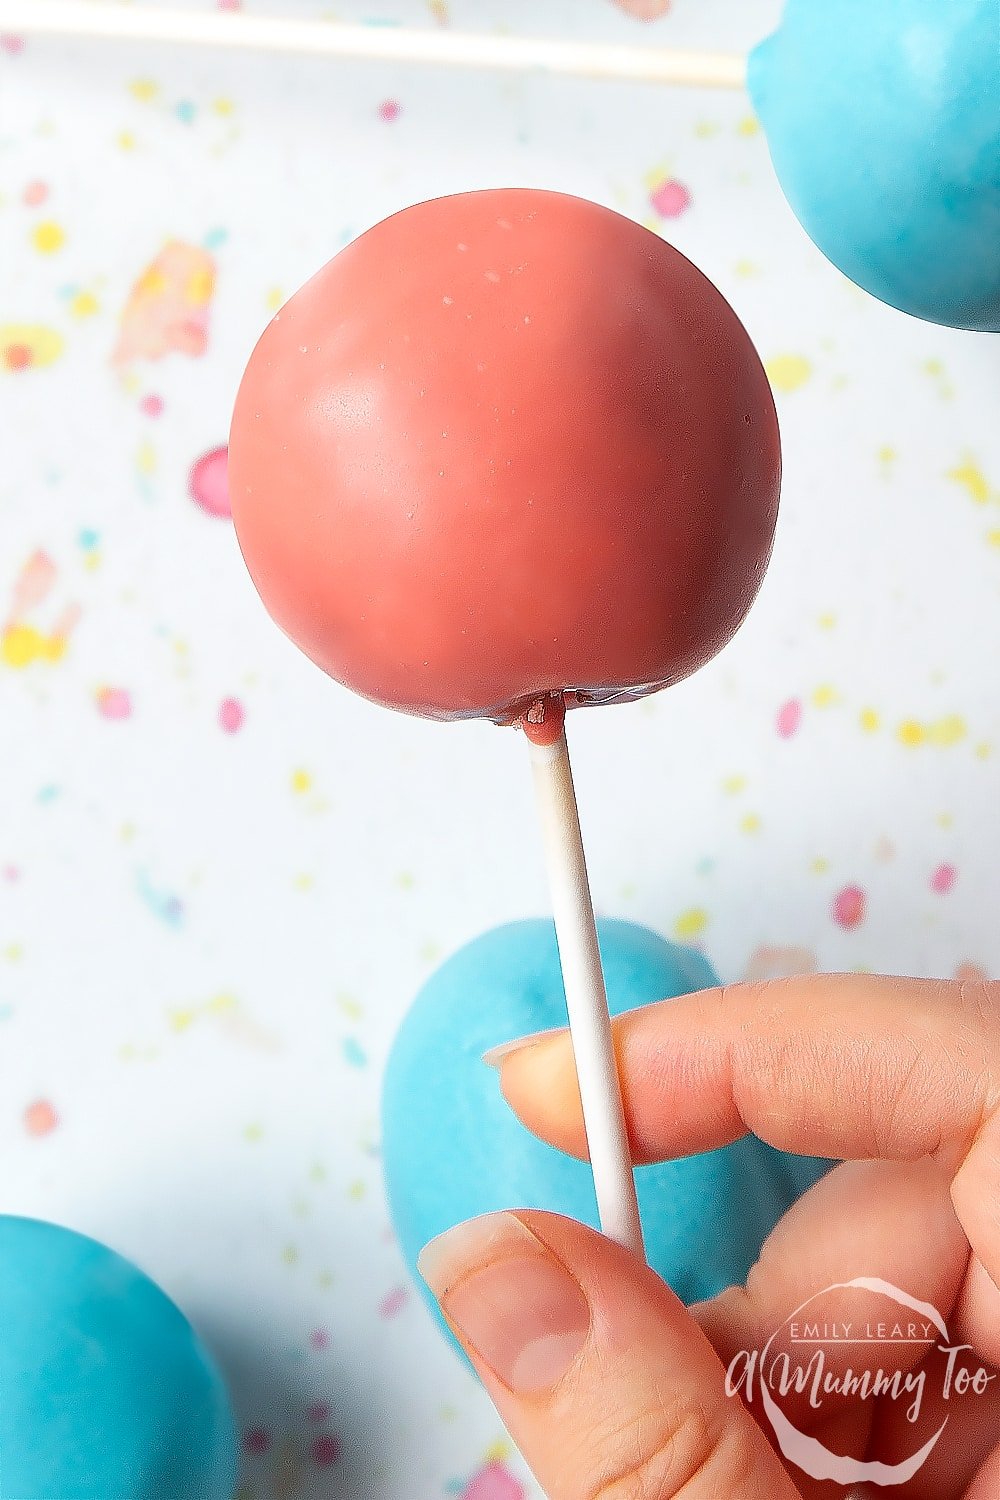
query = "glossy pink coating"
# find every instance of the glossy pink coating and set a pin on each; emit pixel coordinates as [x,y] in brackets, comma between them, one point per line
[505,444]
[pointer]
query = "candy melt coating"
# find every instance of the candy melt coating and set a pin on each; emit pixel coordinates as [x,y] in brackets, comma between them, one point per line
[452,1148]
[505,444]
[883,121]
[106,1392]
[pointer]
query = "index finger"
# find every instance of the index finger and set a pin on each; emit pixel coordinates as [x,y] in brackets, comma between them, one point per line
[837,1065]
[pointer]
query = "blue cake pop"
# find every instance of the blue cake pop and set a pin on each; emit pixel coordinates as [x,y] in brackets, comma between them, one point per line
[452,1148]
[883,120]
[106,1392]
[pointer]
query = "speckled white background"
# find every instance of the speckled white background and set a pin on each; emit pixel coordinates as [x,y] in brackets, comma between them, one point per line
[207,938]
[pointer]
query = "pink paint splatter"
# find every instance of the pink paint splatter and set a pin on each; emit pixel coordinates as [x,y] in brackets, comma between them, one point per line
[319,1339]
[151,406]
[849,906]
[11,873]
[232,715]
[393,1302]
[230,4]
[256,1440]
[11,44]
[494,1482]
[325,1449]
[208,483]
[971,973]
[644,10]
[789,718]
[35,193]
[768,962]
[389,110]
[319,1411]
[40,1118]
[670,199]
[943,879]
[168,307]
[114,703]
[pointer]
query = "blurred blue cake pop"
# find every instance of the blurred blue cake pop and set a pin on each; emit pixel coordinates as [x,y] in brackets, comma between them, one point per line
[883,121]
[106,1392]
[452,1148]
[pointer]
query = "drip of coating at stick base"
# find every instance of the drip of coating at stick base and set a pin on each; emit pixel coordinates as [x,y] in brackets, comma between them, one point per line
[505,445]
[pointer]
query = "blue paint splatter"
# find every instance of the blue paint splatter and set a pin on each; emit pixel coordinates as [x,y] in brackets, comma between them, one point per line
[162,904]
[185,111]
[88,538]
[47,794]
[353,1053]
[215,237]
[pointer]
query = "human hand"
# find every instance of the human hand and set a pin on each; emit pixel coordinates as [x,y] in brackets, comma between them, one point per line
[611,1388]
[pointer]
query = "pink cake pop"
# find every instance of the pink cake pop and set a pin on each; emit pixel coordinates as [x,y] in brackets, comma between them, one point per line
[505,445]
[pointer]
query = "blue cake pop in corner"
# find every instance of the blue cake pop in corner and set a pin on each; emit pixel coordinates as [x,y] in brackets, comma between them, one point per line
[883,120]
[452,1148]
[106,1392]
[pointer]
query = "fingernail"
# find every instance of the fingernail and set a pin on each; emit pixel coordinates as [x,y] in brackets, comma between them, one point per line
[510,1299]
[494,1056]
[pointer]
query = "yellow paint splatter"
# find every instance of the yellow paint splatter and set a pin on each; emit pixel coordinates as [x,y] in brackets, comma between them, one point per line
[749,125]
[223,106]
[84,305]
[301,781]
[827,621]
[869,720]
[911,733]
[820,866]
[825,696]
[937,372]
[947,731]
[145,459]
[972,479]
[887,455]
[199,286]
[26,346]
[405,880]
[356,1190]
[221,1004]
[180,1020]
[733,785]
[143,89]
[690,923]
[656,175]
[984,750]
[750,824]
[290,1255]
[788,372]
[22,645]
[304,882]
[944,820]
[275,297]
[498,1452]
[253,1133]
[126,140]
[745,269]
[48,237]
[993,538]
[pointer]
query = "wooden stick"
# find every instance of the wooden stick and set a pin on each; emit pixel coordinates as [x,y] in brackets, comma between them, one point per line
[586,998]
[108,20]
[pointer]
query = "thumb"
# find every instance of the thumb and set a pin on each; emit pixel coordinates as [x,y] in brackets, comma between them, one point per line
[605,1382]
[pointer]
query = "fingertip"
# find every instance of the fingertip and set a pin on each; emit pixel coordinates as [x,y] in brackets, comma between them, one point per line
[538,1080]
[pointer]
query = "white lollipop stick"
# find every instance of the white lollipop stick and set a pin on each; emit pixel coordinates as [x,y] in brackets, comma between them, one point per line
[108,20]
[586,997]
